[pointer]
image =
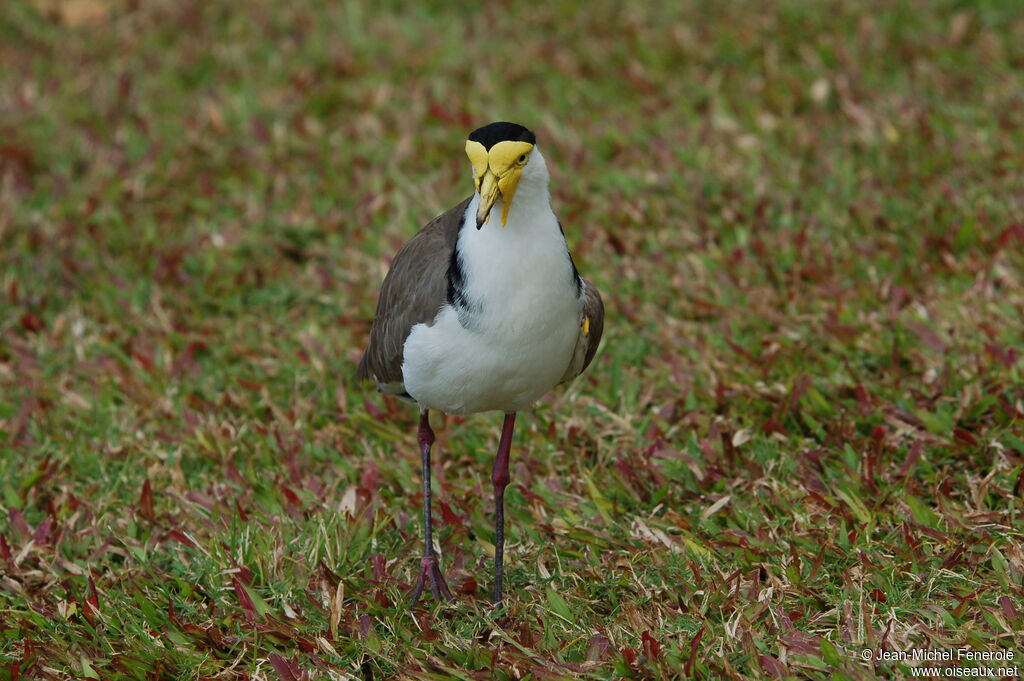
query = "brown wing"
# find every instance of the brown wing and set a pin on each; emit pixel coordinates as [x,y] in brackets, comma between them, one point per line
[591,328]
[593,309]
[414,290]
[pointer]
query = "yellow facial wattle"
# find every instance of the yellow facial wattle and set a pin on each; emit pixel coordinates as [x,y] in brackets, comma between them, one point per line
[496,173]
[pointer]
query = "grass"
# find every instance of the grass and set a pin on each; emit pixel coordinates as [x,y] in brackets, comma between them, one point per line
[802,436]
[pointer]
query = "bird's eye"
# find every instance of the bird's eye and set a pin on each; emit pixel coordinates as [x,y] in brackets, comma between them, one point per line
[522,159]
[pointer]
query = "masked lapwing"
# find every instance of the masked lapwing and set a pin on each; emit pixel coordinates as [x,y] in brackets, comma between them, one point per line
[484,310]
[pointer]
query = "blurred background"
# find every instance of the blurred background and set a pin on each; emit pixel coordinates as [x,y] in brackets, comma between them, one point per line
[807,223]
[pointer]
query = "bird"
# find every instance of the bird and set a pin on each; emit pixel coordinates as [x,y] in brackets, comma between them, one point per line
[483,310]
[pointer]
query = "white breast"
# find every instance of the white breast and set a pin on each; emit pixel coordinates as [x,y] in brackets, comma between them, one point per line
[517,339]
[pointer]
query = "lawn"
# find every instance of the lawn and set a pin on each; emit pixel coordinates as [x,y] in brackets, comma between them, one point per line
[803,435]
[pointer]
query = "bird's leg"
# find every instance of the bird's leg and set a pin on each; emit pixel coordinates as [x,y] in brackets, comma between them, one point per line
[429,569]
[500,477]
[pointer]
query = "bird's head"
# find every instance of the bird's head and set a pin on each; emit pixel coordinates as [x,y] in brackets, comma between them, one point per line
[503,155]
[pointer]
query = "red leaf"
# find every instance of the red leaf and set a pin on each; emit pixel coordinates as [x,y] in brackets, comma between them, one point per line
[146,502]
[181,538]
[441,113]
[447,515]
[616,243]
[378,563]
[629,655]
[290,496]
[526,637]
[5,550]
[172,615]
[101,549]
[927,336]
[910,540]
[31,322]
[248,606]
[530,495]
[801,643]
[244,573]
[1007,607]
[370,477]
[288,671]
[796,392]
[912,456]
[772,666]
[144,359]
[964,437]
[372,409]
[252,386]
[597,648]
[187,360]
[863,398]
[933,533]
[365,625]
[17,522]
[42,534]
[92,602]
[468,586]
[953,558]
[651,647]
[1014,231]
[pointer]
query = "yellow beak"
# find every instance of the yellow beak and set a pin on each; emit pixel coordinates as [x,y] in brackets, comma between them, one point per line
[497,174]
[489,193]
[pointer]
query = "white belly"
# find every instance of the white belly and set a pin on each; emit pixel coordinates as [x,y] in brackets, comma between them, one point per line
[506,368]
[522,320]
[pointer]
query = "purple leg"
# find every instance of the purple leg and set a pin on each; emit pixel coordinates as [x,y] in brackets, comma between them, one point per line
[500,478]
[429,569]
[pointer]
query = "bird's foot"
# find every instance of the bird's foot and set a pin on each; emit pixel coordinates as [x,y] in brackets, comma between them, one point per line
[430,571]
